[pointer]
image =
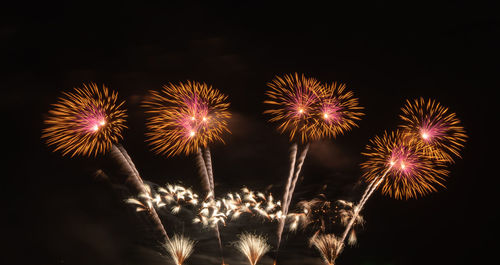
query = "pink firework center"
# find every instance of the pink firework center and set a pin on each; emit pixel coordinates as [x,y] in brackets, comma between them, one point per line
[403,161]
[331,112]
[302,102]
[431,132]
[196,119]
[92,121]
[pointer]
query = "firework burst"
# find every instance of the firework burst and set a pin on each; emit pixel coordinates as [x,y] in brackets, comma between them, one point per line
[86,121]
[337,113]
[252,246]
[294,100]
[409,172]
[185,117]
[179,248]
[328,246]
[432,125]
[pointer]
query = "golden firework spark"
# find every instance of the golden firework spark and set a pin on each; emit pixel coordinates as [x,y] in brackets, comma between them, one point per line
[252,246]
[328,246]
[409,172]
[337,113]
[86,121]
[179,248]
[185,117]
[294,101]
[432,125]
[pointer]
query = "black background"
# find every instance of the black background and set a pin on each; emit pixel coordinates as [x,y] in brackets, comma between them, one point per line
[56,212]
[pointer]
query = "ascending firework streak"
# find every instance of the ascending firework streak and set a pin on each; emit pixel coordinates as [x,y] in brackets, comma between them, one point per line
[401,165]
[179,248]
[186,118]
[308,111]
[89,121]
[412,160]
[136,184]
[252,246]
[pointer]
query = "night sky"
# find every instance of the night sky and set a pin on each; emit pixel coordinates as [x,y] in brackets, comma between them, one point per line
[55,210]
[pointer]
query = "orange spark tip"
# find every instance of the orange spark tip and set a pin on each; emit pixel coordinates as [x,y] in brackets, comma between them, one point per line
[309,110]
[184,117]
[86,121]
[411,172]
[438,130]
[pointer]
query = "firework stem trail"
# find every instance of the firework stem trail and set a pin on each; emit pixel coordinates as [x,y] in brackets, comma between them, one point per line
[134,181]
[367,190]
[129,160]
[208,164]
[281,224]
[300,162]
[293,159]
[359,207]
[205,167]
[205,180]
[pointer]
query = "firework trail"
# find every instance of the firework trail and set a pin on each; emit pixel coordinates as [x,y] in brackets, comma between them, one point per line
[208,164]
[287,197]
[409,171]
[300,162]
[328,246]
[205,169]
[186,118]
[252,246]
[402,166]
[412,160]
[135,183]
[202,169]
[86,121]
[179,248]
[308,110]
[89,121]
[293,101]
[281,224]
[129,160]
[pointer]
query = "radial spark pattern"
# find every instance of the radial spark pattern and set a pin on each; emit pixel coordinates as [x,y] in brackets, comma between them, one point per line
[184,117]
[431,124]
[410,171]
[294,101]
[86,121]
[327,245]
[252,246]
[338,112]
[179,248]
